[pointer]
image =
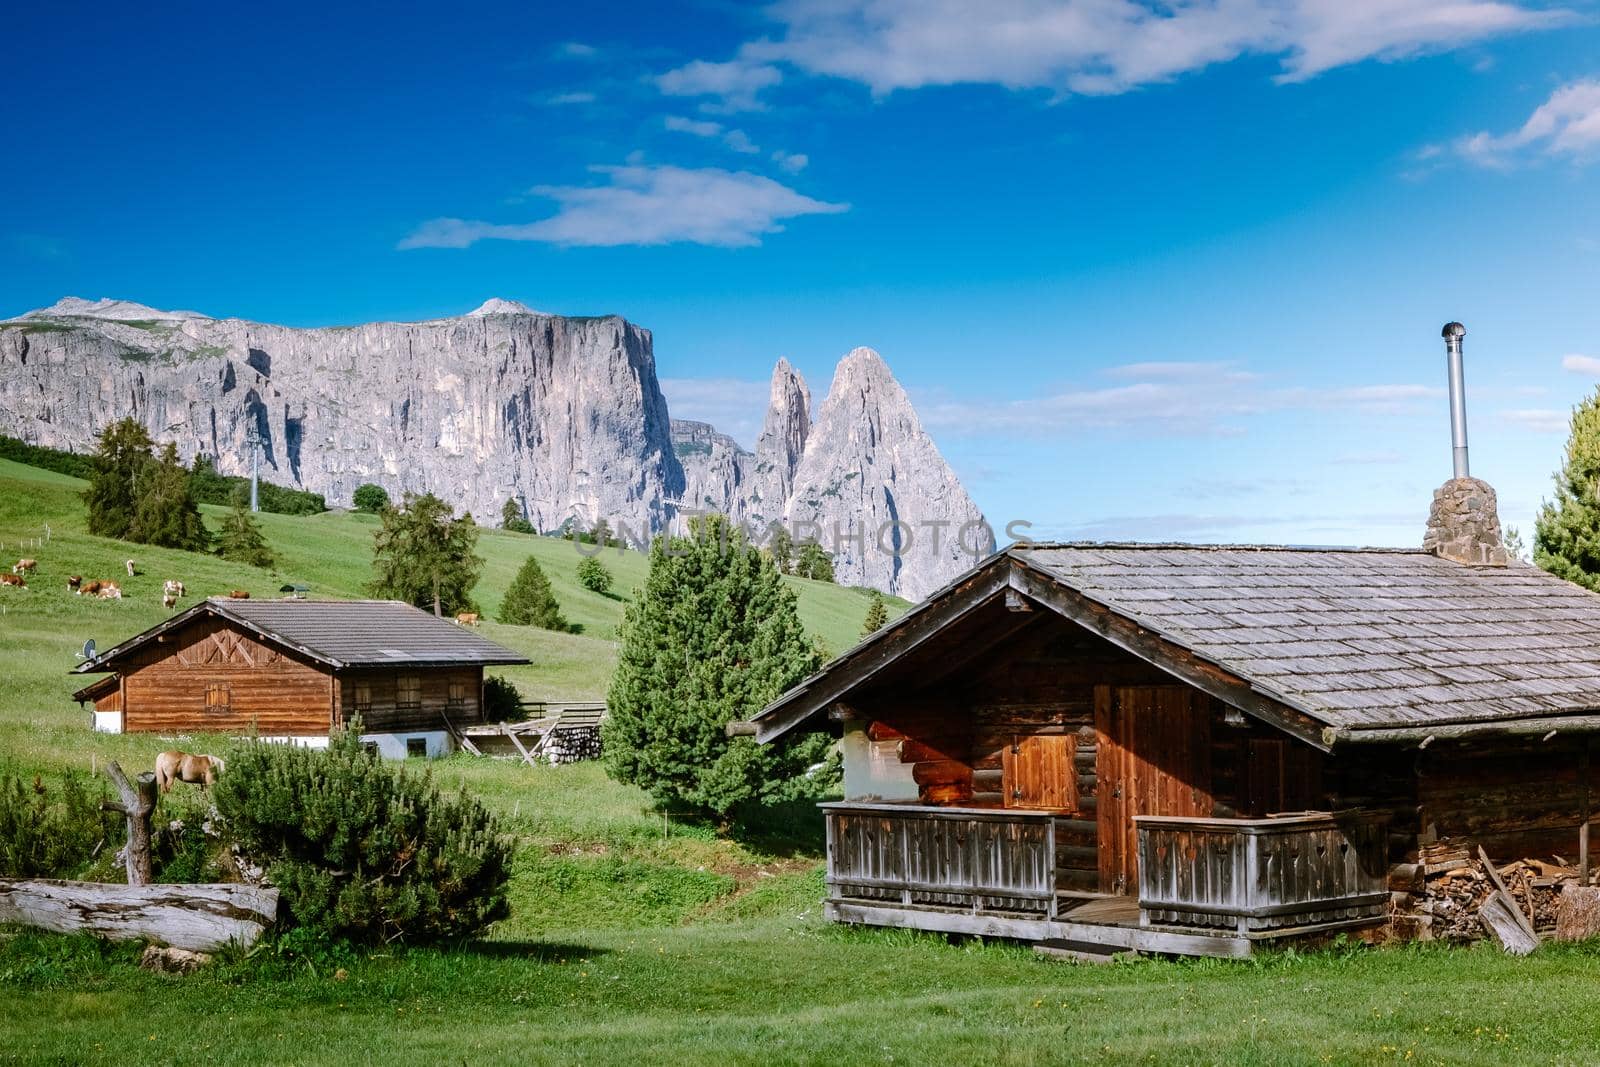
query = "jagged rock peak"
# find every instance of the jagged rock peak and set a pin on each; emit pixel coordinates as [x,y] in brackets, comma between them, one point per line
[781,444]
[496,306]
[106,308]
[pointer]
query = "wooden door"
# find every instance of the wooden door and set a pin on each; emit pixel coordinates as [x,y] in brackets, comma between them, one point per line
[1153,757]
[1039,771]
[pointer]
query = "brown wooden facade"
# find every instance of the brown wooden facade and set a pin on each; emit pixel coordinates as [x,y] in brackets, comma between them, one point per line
[214,675]
[1003,732]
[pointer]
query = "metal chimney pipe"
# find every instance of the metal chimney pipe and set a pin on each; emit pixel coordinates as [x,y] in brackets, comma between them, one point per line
[1453,333]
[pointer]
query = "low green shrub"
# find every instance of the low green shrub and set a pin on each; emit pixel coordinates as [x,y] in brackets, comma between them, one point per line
[363,851]
[53,833]
[593,576]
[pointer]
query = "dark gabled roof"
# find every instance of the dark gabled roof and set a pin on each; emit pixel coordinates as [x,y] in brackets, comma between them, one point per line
[337,633]
[1351,642]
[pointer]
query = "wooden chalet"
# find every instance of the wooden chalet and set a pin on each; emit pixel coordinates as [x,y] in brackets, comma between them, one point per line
[1191,749]
[294,669]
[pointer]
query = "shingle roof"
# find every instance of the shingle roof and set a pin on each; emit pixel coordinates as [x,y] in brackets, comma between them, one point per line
[340,633]
[1356,638]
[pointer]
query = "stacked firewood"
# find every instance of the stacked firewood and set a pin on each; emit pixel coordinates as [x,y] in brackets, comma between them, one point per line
[1444,892]
[569,744]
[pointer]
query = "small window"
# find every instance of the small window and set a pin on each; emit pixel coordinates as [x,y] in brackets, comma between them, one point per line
[458,695]
[219,698]
[408,691]
[361,698]
[370,747]
[417,746]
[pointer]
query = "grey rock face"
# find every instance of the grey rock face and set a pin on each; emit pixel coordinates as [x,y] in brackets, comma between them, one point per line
[879,495]
[565,414]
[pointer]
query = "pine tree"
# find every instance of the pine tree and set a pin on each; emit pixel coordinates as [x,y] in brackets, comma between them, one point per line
[241,539]
[593,576]
[530,602]
[877,615]
[1566,534]
[370,497]
[780,546]
[166,513]
[424,556]
[118,470]
[812,562]
[713,638]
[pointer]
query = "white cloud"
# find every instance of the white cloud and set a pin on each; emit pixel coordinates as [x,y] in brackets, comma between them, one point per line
[697,127]
[793,162]
[1566,125]
[571,98]
[578,50]
[734,406]
[1539,420]
[1175,398]
[737,140]
[1095,46]
[644,205]
[1578,364]
[732,85]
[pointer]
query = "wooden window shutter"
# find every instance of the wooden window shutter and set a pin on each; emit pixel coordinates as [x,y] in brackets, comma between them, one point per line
[1040,771]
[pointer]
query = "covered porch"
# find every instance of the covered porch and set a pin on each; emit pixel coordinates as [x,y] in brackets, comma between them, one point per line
[1205,886]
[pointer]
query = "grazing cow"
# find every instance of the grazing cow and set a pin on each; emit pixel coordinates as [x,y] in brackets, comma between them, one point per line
[131,571]
[238,594]
[173,588]
[89,588]
[13,579]
[23,566]
[177,766]
[169,601]
[74,581]
[467,618]
[110,591]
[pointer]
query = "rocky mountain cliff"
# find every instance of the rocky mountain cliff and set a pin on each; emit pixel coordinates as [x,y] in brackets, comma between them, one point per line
[865,480]
[565,415]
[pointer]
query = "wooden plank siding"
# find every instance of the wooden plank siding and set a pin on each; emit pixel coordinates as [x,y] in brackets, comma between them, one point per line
[165,686]
[385,713]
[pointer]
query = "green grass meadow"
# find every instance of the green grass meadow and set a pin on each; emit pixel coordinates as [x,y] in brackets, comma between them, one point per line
[638,939]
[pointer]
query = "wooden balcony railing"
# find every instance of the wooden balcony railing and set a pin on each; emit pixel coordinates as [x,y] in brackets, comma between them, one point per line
[992,861]
[1263,876]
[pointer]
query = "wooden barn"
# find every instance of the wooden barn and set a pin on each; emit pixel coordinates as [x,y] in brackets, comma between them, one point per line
[1190,749]
[293,669]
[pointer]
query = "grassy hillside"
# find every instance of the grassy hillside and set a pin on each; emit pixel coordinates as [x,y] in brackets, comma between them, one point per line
[41,627]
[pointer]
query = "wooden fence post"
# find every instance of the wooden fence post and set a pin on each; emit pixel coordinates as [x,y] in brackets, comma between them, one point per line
[138,805]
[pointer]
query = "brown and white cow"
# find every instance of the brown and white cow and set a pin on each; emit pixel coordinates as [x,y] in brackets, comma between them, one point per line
[75,582]
[110,591]
[23,566]
[131,571]
[238,594]
[13,580]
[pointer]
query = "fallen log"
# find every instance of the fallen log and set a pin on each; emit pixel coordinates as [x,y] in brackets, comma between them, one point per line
[200,918]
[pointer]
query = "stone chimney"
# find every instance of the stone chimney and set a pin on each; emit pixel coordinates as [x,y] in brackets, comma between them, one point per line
[1464,524]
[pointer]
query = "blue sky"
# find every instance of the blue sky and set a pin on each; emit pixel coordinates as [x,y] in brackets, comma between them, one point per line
[1170,272]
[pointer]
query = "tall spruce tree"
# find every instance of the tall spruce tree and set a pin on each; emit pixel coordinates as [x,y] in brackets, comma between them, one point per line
[529,601]
[780,546]
[241,539]
[166,513]
[423,555]
[1566,534]
[877,615]
[119,467]
[714,636]
[813,562]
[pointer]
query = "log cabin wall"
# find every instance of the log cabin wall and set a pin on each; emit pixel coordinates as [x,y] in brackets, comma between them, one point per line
[214,676]
[1516,798]
[377,696]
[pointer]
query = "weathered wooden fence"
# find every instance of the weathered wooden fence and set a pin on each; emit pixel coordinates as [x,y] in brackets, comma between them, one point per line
[1259,876]
[903,854]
